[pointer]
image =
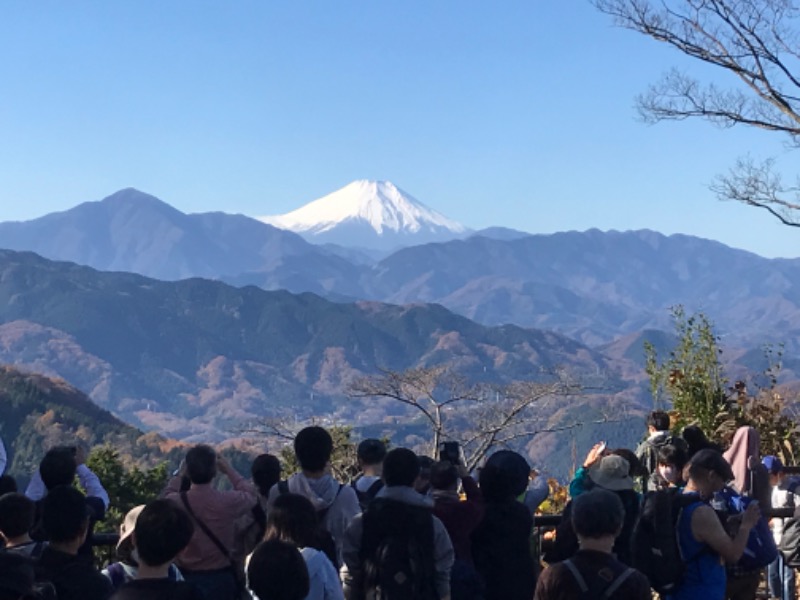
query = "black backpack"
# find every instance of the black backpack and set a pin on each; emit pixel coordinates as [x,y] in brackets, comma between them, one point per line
[364,498]
[397,551]
[655,548]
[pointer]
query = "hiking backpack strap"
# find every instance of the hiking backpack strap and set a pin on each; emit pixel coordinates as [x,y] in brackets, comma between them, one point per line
[617,583]
[322,513]
[376,487]
[209,534]
[38,548]
[577,575]
[612,587]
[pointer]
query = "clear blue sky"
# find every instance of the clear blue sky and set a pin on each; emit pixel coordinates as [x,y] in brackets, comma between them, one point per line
[517,114]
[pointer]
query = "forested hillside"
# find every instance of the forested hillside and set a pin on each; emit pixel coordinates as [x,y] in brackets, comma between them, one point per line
[37,412]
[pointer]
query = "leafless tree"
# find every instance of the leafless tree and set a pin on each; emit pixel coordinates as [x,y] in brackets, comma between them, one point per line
[756,42]
[479,417]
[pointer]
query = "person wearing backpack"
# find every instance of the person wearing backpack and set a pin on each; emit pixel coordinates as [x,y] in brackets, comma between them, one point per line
[368,483]
[704,543]
[750,482]
[501,543]
[594,572]
[397,549]
[780,575]
[336,504]
[658,435]
[614,473]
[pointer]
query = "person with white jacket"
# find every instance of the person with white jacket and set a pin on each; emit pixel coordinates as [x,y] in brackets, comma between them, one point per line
[336,503]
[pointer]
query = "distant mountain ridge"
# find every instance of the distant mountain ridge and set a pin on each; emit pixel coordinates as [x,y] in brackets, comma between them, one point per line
[593,286]
[138,233]
[198,357]
[369,214]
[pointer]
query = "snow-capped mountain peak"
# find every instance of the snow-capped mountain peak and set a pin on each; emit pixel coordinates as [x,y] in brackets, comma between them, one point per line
[393,216]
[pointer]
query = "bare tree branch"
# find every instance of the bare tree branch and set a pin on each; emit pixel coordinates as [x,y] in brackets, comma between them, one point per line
[756,41]
[480,417]
[760,186]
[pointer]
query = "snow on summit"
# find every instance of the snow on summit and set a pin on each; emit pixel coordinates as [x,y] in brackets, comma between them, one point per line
[370,214]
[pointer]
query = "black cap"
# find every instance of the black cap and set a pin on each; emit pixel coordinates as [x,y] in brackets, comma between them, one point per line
[711,460]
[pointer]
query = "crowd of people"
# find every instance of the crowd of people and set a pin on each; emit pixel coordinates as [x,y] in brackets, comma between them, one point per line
[410,528]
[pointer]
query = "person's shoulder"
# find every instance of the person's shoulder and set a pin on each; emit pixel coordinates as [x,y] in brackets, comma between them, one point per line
[702,514]
[347,498]
[635,587]
[346,491]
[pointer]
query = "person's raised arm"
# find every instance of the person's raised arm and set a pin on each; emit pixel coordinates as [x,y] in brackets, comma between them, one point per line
[471,489]
[244,496]
[90,482]
[3,457]
[578,484]
[36,489]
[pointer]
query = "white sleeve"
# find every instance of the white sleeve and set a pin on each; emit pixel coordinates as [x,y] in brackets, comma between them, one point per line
[36,490]
[91,483]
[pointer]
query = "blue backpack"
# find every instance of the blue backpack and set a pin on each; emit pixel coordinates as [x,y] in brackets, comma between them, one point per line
[760,549]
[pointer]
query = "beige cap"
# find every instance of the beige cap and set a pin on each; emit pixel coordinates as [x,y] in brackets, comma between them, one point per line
[129,524]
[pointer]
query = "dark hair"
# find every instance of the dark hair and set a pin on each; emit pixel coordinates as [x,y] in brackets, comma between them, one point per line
[504,476]
[425,463]
[400,467]
[710,460]
[371,451]
[313,447]
[266,472]
[277,571]
[292,518]
[58,467]
[696,439]
[162,531]
[17,514]
[7,484]
[201,464]
[597,513]
[635,467]
[658,420]
[444,475]
[670,454]
[65,514]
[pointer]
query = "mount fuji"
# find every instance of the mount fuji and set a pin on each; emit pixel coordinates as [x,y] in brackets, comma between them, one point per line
[369,214]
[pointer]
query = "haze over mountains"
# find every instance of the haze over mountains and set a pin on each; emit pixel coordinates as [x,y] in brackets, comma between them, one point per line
[196,358]
[594,286]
